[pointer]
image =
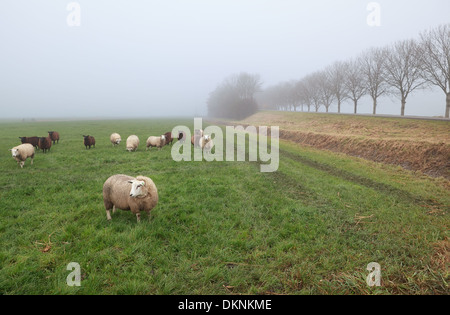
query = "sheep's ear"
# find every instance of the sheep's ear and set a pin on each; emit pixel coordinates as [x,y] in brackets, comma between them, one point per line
[143,183]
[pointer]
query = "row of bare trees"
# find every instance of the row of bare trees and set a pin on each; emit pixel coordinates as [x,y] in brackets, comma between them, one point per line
[398,69]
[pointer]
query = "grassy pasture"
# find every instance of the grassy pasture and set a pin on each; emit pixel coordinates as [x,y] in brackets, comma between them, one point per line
[220,227]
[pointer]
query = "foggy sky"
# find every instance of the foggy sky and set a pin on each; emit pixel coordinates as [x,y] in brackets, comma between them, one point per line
[131,58]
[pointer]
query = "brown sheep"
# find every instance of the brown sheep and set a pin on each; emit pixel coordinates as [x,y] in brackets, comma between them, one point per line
[45,143]
[54,136]
[169,138]
[34,141]
[89,141]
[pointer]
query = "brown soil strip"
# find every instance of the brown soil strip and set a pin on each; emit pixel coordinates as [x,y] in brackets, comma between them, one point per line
[430,158]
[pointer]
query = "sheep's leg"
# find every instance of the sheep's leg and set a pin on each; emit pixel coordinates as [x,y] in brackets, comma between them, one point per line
[108,215]
[114,209]
[22,164]
[138,216]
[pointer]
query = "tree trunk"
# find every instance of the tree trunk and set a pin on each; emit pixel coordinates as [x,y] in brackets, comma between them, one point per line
[339,106]
[403,106]
[447,108]
[356,106]
[374,106]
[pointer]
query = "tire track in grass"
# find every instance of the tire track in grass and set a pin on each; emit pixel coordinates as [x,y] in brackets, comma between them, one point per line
[399,194]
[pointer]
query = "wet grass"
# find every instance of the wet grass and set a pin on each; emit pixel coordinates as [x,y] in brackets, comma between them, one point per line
[220,227]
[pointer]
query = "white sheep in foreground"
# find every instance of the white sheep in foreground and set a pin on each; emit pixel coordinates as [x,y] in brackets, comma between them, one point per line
[115,139]
[22,152]
[132,143]
[129,193]
[158,142]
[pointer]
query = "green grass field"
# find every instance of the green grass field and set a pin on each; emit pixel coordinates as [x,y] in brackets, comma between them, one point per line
[312,227]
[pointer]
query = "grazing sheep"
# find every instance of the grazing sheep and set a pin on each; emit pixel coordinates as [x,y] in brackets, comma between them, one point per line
[198,133]
[169,138]
[45,143]
[132,143]
[34,141]
[207,144]
[89,141]
[129,193]
[22,152]
[115,139]
[54,136]
[181,136]
[158,142]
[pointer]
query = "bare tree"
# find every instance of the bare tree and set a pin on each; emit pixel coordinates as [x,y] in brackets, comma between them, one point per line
[336,74]
[435,59]
[373,67]
[234,97]
[281,96]
[246,84]
[313,87]
[291,94]
[302,92]
[403,69]
[307,90]
[325,91]
[355,82]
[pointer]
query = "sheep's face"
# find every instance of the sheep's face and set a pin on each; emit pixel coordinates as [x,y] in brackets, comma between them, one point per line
[163,138]
[118,141]
[207,138]
[14,152]
[137,188]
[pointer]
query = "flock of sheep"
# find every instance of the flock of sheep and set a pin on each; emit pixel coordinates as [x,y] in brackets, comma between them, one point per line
[119,191]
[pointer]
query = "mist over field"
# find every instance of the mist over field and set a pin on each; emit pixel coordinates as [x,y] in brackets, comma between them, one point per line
[164,58]
[184,99]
